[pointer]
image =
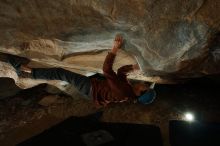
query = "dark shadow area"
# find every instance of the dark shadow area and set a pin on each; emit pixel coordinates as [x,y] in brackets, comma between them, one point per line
[200,96]
[8,88]
[194,134]
[89,132]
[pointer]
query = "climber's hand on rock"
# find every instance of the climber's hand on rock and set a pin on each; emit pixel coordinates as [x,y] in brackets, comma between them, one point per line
[136,67]
[117,43]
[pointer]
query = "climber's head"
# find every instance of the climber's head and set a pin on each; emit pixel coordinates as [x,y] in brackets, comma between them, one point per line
[140,87]
[144,94]
[147,97]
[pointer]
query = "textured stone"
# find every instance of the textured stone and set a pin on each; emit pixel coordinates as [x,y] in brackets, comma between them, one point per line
[170,39]
[48,100]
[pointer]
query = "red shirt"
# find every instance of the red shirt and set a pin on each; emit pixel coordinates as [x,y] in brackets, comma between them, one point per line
[115,88]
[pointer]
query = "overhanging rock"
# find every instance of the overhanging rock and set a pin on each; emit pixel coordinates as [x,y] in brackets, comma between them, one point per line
[172,40]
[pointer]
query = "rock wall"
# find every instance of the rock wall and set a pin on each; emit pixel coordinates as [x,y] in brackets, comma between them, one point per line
[170,39]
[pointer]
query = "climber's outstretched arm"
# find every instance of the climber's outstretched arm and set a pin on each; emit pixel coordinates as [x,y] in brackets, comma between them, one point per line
[109,60]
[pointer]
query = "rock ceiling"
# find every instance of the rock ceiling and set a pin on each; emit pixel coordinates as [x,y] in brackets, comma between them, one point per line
[171,39]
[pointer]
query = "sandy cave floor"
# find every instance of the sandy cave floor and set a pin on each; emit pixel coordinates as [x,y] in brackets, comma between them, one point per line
[21,116]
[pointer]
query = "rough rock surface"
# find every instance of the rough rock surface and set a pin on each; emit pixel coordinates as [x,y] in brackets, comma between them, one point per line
[170,39]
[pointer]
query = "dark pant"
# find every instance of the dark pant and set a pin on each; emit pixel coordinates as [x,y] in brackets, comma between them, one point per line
[82,83]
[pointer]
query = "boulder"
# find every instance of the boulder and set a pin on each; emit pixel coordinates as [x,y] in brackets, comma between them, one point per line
[171,40]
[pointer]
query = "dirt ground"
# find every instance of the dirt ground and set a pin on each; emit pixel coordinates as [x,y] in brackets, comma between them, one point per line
[21,116]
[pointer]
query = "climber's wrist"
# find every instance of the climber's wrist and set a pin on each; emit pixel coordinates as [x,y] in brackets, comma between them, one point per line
[114,50]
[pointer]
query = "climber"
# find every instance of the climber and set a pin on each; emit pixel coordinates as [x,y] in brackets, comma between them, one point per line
[114,88]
